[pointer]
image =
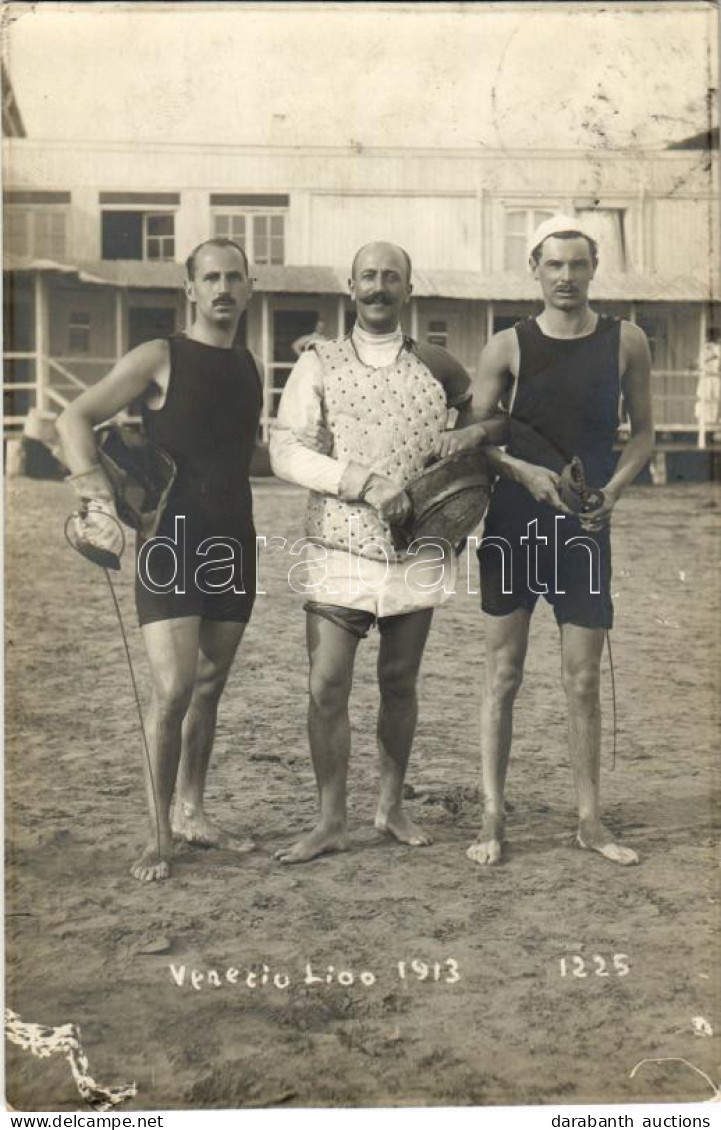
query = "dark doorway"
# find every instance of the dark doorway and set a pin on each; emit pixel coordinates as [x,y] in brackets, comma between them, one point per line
[288,326]
[18,313]
[148,322]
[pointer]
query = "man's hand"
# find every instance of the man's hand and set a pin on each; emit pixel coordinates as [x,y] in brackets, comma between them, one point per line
[390,500]
[96,527]
[595,520]
[541,483]
[96,530]
[452,442]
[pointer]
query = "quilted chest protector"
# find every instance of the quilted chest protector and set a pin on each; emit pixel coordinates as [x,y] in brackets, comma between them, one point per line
[388,419]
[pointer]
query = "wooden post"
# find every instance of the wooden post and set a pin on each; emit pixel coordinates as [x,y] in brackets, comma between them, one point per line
[14,457]
[414,319]
[483,258]
[41,342]
[641,236]
[268,373]
[703,329]
[119,323]
[658,468]
[341,316]
[489,321]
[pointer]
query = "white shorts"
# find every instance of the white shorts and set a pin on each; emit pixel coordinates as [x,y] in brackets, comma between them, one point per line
[333,576]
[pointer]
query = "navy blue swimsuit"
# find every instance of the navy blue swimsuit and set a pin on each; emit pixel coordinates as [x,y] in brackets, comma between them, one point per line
[208,424]
[566,397]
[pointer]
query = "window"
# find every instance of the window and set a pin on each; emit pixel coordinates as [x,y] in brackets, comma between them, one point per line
[38,232]
[231,225]
[159,236]
[519,227]
[608,228]
[17,231]
[268,239]
[79,332]
[36,222]
[260,234]
[438,333]
[138,235]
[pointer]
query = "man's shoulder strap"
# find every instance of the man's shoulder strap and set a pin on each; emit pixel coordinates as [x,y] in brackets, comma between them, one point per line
[244,354]
[446,369]
[608,322]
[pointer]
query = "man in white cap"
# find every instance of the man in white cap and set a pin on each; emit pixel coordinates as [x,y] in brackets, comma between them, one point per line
[560,375]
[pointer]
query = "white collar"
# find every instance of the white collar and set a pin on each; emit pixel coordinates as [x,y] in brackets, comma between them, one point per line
[377,340]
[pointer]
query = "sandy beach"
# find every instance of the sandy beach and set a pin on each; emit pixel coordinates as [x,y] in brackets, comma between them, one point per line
[501,1015]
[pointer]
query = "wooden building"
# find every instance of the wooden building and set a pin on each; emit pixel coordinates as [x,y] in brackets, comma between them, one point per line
[95,235]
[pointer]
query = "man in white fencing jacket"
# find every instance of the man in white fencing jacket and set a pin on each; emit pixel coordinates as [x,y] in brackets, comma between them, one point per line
[383,401]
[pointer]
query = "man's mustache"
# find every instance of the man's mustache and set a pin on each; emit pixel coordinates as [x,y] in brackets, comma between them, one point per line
[224,300]
[380,297]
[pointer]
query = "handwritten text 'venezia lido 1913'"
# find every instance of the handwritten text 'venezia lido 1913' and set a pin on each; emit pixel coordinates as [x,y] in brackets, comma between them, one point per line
[261,976]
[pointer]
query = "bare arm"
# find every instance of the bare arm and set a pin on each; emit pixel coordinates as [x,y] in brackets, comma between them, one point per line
[497,367]
[480,420]
[128,380]
[299,343]
[636,386]
[635,364]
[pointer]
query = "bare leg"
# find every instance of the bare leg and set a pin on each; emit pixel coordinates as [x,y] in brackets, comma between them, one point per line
[172,648]
[506,646]
[218,641]
[331,651]
[399,661]
[582,649]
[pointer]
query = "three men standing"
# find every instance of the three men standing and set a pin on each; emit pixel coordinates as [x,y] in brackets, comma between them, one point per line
[359,418]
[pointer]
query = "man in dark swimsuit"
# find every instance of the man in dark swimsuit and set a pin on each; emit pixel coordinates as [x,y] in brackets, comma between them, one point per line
[560,376]
[201,400]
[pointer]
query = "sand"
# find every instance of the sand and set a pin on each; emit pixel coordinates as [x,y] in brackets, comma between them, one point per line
[495,1021]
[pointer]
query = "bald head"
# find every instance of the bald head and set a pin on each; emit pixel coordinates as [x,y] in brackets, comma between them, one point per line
[380,286]
[372,249]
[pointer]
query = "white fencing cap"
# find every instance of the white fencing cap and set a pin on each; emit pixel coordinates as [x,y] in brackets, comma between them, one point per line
[555,226]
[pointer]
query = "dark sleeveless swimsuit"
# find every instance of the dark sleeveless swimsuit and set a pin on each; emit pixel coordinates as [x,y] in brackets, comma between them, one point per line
[567,396]
[208,424]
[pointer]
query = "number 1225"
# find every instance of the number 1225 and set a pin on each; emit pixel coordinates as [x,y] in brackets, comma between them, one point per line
[575,966]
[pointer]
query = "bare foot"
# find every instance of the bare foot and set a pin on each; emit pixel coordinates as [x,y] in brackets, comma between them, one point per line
[489,845]
[592,836]
[400,827]
[320,841]
[193,826]
[152,865]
